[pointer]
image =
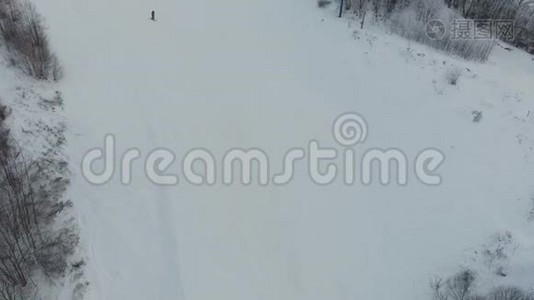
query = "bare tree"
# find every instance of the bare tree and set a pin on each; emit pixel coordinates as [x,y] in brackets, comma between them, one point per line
[22,30]
[29,204]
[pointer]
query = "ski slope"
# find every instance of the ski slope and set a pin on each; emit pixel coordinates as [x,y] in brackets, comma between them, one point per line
[274,74]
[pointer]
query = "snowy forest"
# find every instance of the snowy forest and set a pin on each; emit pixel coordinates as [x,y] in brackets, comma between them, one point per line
[409,18]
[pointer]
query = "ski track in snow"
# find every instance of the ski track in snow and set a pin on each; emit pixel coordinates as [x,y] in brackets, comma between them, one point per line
[274,74]
[166,233]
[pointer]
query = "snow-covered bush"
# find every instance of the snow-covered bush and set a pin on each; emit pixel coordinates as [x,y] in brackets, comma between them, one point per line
[477,115]
[30,201]
[56,69]
[509,293]
[458,287]
[453,74]
[521,12]
[524,26]
[323,3]
[461,286]
[4,132]
[23,34]
[409,18]
[411,22]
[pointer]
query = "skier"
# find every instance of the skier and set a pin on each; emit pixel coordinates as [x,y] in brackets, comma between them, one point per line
[153,16]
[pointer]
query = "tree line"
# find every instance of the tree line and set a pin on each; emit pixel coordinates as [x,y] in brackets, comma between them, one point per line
[409,18]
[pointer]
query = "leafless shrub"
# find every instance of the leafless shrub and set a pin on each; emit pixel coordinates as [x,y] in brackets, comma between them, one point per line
[3,113]
[9,292]
[520,12]
[509,293]
[452,75]
[409,18]
[23,33]
[323,3]
[496,253]
[436,285]
[56,247]
[461,287]
[29,204]
[458,287]
[477,115]
[4,133]
[411,23]
[57,69]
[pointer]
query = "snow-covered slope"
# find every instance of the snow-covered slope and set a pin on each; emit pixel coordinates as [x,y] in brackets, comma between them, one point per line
[274,74]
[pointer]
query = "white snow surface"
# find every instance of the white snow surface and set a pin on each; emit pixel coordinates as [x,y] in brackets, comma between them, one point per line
[274,74]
